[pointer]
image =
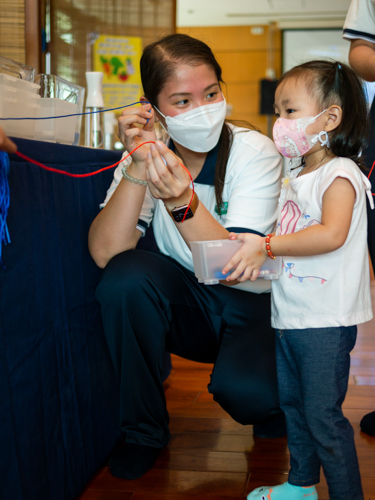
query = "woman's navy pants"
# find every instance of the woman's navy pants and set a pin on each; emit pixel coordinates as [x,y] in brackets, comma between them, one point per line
[151,304]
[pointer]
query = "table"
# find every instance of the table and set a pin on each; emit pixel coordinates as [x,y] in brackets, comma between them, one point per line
[58,390]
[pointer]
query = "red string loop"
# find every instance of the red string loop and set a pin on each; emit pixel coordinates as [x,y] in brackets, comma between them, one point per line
[368,177]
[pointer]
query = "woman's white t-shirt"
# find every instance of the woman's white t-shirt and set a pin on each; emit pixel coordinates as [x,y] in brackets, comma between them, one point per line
[331,289]
[251,191]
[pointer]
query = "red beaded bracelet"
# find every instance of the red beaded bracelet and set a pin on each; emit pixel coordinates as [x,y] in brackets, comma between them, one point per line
[268,248]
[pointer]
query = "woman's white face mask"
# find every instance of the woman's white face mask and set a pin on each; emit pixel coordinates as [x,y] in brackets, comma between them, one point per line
[198,129]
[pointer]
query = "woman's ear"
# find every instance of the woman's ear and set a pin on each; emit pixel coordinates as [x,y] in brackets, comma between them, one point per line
[334,118]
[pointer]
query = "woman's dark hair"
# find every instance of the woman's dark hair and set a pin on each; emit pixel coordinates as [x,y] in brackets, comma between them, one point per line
[332,82]
[158,64]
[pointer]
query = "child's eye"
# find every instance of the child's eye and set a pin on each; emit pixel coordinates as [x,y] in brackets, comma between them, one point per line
[289,111]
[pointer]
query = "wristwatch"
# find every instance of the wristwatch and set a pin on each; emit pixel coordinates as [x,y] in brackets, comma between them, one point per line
[178,213]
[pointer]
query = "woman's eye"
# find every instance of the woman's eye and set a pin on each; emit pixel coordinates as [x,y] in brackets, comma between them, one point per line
[211,95]
[182,103]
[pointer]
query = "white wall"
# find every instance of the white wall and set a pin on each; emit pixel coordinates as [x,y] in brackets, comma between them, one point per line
[303,45]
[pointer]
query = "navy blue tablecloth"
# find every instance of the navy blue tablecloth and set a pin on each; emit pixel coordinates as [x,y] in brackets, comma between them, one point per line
[58,391]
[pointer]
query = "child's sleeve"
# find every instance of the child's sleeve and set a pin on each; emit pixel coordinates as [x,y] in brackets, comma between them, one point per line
[346,169]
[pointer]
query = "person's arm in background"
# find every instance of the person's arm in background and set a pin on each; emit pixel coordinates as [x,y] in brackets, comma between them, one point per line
[359,30]
[362,59]
[6,144]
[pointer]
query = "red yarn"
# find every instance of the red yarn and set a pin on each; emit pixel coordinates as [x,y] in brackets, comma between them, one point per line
[57,171]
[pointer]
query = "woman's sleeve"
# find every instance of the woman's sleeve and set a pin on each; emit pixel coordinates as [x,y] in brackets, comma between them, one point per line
[254,188]
[148,206]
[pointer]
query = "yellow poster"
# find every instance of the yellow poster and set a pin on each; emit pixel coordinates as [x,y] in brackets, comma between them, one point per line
[118,58]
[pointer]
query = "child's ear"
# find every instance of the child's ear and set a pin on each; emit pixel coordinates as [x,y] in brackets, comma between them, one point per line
[334,118]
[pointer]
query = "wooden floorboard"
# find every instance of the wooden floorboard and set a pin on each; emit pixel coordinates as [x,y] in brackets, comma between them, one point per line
[210,456]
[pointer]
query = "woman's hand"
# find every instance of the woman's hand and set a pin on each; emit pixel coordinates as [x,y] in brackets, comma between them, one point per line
[132,135]
[249,258]
[169,182]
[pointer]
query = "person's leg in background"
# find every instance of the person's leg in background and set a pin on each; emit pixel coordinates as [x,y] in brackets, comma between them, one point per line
[368,421]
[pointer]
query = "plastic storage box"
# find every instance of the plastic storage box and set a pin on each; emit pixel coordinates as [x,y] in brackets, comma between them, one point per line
[16,69]
[209,258]
[17,83]
[7,91]
[18,99]
[60,130]
[54,87]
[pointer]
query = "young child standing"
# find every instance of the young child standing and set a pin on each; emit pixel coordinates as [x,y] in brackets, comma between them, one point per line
[323,291]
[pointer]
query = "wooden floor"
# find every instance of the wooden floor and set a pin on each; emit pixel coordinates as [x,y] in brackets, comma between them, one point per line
[211,457]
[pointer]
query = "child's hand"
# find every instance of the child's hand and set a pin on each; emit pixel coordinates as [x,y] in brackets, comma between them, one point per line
[249,258]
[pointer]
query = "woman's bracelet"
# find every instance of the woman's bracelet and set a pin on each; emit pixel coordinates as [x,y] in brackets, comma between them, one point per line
[125,175]
[268,248]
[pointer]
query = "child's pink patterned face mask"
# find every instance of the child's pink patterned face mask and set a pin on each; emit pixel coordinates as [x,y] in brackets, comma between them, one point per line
[291,139]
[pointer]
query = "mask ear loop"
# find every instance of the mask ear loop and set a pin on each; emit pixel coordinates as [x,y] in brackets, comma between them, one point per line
[323,142]
[161,123]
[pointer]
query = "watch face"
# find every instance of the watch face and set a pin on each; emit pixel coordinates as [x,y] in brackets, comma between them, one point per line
[178,214]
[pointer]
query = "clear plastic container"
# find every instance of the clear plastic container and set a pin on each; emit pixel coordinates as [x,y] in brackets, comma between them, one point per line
[15,93]
[16,69]
[17,83]
[13,107]
[52,86]
[60,130]
[209,258]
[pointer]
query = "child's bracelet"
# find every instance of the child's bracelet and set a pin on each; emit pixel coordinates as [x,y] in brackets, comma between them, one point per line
[268,248]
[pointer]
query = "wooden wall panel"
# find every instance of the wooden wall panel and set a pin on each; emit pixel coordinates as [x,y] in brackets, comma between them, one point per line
[74,20]
[244,67]
[258,121]
[12,30]
[224,38]
[243,57]
[244,97]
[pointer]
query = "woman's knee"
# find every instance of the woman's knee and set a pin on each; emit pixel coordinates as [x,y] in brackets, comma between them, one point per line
[246,403]
[122,277]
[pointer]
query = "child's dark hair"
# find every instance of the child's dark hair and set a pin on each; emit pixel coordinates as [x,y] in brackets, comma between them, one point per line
[333,82]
